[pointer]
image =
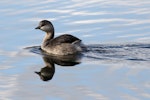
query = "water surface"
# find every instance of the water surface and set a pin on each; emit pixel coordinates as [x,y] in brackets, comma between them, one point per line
[116,66]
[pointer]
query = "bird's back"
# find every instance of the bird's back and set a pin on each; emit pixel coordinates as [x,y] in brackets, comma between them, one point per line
[66,38]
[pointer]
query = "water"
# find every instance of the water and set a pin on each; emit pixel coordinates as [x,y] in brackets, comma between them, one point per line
[115,67]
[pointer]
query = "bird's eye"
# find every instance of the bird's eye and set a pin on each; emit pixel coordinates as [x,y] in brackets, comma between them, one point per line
[42,25]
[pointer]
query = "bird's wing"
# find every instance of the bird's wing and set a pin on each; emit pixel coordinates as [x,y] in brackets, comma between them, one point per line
[66,38]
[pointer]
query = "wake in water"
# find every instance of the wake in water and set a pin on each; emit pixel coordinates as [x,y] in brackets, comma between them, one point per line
[136,52]
[132,52]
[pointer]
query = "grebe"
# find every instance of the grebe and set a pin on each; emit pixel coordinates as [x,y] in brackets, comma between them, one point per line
[62,45]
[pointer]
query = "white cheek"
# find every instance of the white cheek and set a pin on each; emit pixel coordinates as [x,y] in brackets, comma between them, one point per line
[45,28]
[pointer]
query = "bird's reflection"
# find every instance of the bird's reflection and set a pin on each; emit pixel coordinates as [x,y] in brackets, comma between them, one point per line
[46,73]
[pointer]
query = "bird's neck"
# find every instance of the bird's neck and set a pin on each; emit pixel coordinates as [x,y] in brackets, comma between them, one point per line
[47,38]
[48,62]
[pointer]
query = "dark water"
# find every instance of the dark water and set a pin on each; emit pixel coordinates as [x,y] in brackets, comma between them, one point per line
[114,67]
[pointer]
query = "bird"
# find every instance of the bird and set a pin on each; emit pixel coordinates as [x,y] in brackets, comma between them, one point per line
[65,44]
